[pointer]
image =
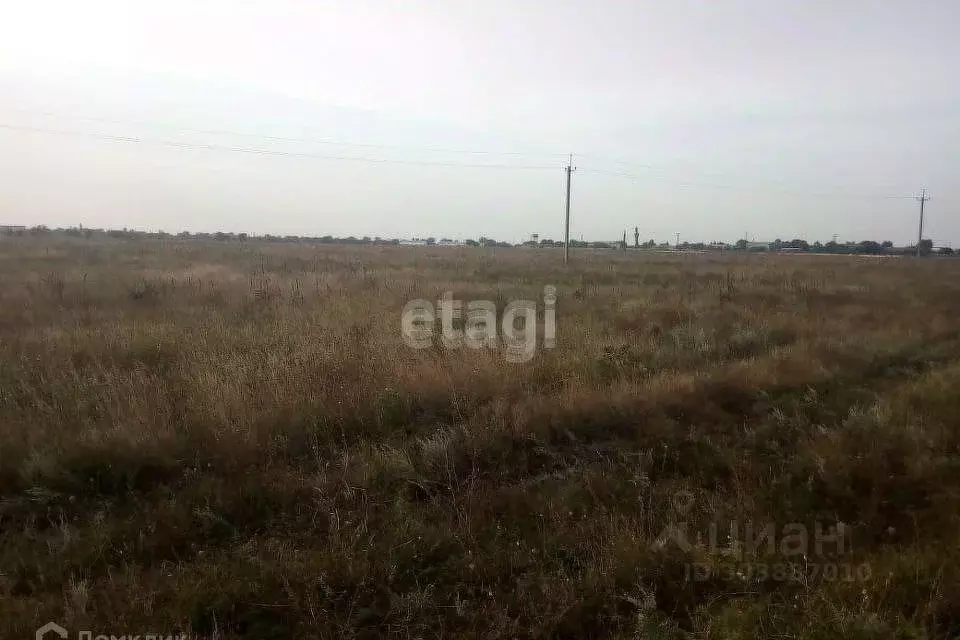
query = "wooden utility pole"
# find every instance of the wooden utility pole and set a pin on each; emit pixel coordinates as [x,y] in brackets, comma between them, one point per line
[923,199]
[566,234]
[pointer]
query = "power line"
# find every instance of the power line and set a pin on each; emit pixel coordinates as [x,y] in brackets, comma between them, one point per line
[823,194]
[336,157]
[262,152]
[307,140]
[284,139]
[696,174]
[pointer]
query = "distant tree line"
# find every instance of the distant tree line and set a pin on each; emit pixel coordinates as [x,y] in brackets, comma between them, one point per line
[864,247]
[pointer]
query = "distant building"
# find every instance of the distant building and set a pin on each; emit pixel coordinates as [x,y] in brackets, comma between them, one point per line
[12,230]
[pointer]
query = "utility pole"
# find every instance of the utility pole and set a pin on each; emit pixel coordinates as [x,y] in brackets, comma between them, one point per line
[923,199]
[566,234]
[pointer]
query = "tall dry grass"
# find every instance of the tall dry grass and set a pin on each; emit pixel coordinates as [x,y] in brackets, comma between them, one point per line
[232,440]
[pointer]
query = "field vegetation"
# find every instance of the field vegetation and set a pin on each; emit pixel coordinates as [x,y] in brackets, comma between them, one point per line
[230,439]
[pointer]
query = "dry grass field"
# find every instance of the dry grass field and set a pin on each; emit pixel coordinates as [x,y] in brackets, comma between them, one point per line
[232,440]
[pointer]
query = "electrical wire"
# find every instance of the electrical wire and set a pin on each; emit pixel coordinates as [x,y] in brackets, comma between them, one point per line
[796,192]
[660,177]
[263,152]
[284,139]
[698,174]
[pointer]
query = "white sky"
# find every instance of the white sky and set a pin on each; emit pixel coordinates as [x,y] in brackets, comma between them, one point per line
[780,119]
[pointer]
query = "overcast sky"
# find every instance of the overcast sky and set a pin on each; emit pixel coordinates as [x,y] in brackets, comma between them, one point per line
[708,118]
